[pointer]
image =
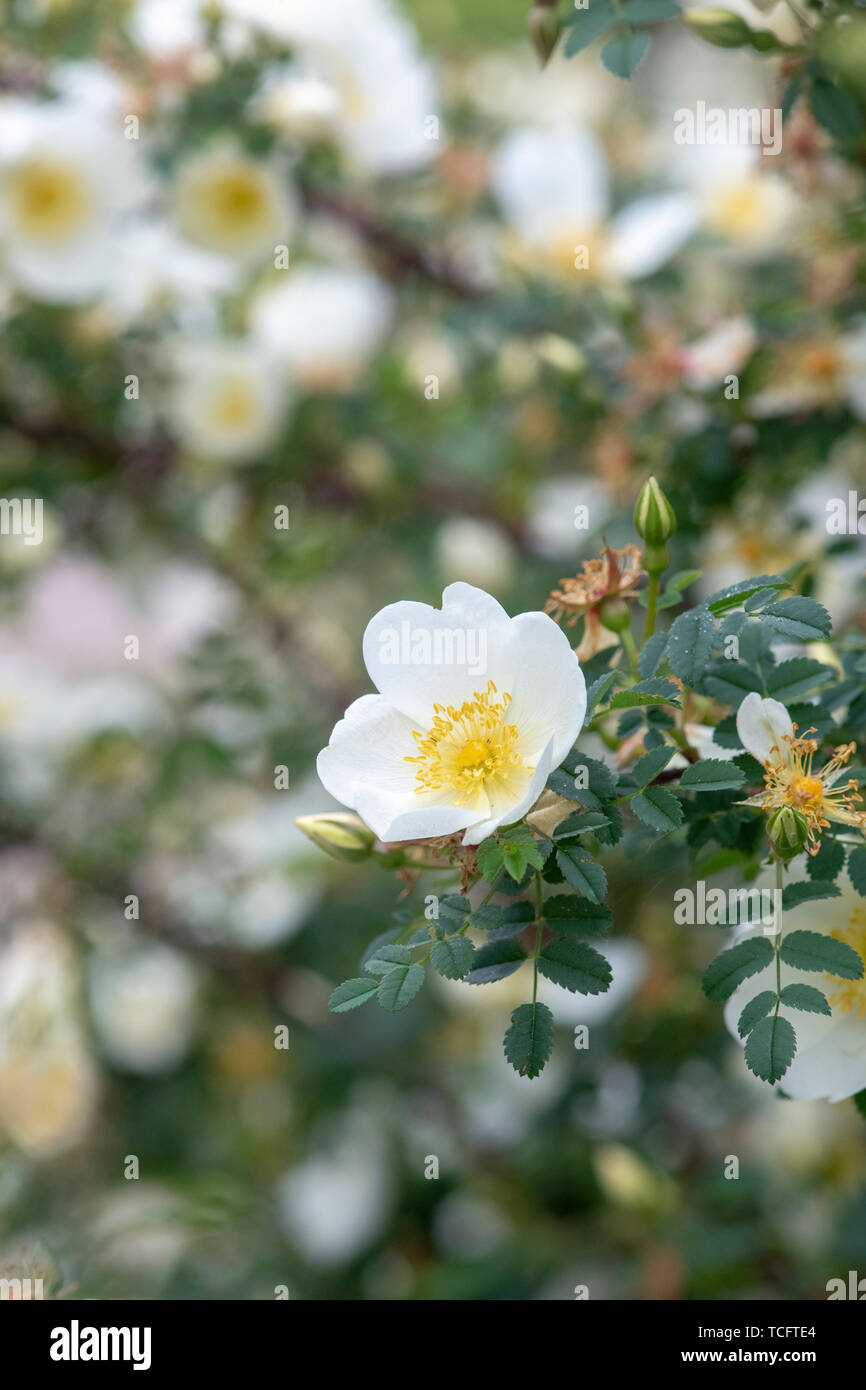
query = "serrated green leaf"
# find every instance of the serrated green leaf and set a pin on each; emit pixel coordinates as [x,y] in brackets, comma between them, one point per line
[731,682]
[399,987]
[529,1039]
[803,618]
[656,691]
[596,775]
[351,993]
[576,966]
[380,961]
[583,873]
[806,998]
[507,919]
[650,658]
[651,764]
[793,894]
[454,912]
[734,595]
[658,809]
[495,960]
[770,1048]
[755,1010]
[579,823]
[490,859]
[729,969]
[689,644]
[453,958]
[598,692]
[811,950]
[755,602]
[566,915]
[857,870]
[789,680]
[828,863]
[712,775]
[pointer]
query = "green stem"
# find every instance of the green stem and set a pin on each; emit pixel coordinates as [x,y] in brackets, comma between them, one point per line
[628,646]
[538,933]
[651,600]
[777,945]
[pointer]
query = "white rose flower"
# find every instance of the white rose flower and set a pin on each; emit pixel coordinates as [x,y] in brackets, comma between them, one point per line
[227,403]
[474,712]
[66,182]
[232,205]
[554,190]
[323,324]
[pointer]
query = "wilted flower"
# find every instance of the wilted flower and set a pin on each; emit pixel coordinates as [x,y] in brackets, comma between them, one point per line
[597,593]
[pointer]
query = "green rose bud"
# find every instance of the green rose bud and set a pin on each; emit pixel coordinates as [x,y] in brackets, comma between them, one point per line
[788,831]
[339,834]
[544,30]
[654,518]
[721,27]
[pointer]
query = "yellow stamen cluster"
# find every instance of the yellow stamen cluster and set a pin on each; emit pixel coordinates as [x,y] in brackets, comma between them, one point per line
[50,202]
[850,995]
[790,781]
[469,749]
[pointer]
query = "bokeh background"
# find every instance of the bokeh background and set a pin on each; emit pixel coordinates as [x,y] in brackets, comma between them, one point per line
[290,330]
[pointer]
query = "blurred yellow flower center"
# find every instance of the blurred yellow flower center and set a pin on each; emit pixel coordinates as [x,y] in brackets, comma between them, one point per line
[738,210]
[238,199]
[235,408]
[469,749]
[49,200]
[231,208]
[849,996]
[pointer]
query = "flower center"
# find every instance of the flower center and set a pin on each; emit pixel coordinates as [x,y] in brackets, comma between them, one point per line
[738,209]
[807,791]
[470,750]
[238,200]
[790,781]
[849,996]
[235,409]
[50,201]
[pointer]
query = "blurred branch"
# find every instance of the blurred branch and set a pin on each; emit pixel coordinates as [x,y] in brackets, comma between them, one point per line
[405,257]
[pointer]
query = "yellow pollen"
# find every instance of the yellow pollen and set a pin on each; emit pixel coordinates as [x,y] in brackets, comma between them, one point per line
[849,996]
[470,751]
[807,791]
[473,754]
[819,797]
